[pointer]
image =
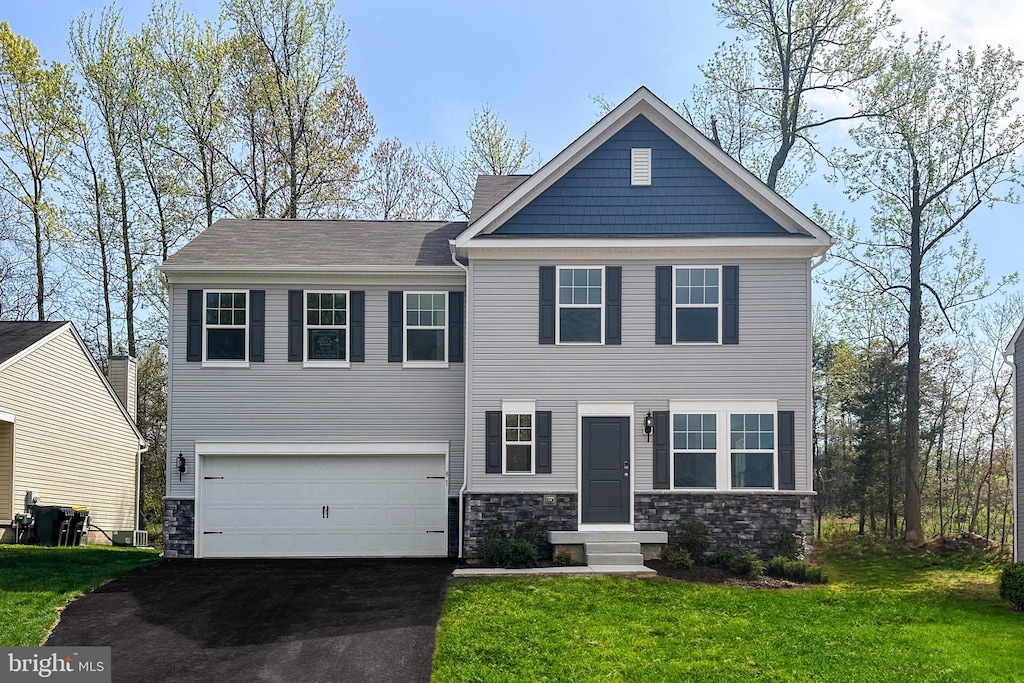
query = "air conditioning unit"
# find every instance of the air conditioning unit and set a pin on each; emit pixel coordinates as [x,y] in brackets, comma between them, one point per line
[135,538]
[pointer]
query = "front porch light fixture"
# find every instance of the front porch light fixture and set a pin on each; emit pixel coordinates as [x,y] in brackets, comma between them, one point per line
[649,424]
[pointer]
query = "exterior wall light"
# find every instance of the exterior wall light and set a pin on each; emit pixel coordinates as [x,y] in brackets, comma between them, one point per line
[181,465]
[649,424]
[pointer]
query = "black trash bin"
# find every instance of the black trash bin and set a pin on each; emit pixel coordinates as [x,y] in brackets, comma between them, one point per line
[76,532]
[52,523]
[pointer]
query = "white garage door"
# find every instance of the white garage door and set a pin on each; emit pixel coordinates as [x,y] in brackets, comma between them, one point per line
[323,506]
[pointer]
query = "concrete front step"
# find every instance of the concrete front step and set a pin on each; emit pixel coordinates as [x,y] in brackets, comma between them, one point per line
[615,559]
[582,537]
[613,547]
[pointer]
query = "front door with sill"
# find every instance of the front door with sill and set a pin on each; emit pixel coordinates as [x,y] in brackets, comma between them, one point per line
[605,480]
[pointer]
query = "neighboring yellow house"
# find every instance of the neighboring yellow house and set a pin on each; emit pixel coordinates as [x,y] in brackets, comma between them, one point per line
[65,433]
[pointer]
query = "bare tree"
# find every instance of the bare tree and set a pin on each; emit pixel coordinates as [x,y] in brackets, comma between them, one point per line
[397,186]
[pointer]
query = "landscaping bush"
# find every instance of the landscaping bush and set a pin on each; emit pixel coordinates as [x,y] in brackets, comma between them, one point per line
[563,558]
[795,570]
[494,546]
[791,545]
[720,558]
[676,558]
[1011,585]
[693,538]
[520,554]
[533,533]
[743,564]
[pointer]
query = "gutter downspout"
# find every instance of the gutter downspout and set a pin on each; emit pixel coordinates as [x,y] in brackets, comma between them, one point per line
[465,411]
[1017,542]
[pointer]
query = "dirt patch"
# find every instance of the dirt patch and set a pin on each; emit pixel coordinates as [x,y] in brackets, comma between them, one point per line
[962,543]
[715,575]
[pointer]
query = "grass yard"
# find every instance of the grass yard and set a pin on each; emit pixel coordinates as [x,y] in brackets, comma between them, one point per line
[35,583]
[910,618]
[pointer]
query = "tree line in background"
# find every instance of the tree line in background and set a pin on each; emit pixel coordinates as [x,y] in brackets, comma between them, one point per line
[115,160]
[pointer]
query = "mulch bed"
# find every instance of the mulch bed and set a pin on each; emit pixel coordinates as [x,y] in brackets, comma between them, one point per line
[704,574]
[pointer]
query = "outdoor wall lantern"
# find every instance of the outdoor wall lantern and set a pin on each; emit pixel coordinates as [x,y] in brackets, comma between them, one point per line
[181,465]
[649,424]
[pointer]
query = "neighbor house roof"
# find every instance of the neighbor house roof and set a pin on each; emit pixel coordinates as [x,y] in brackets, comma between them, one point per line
[491,189]
[276,244]
[16,336]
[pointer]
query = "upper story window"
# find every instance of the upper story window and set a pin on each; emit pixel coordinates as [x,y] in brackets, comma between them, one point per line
[518,437]
[580,317]
[426,327]
[723,445]
[327,327]
[697,303]
[226,325]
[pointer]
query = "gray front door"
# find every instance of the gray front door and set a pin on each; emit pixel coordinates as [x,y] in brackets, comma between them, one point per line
[606,464]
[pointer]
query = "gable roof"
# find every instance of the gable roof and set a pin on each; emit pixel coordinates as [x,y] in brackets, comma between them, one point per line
[16,336]
[1013,340]
[321,245]
[32,335]
[491,189]
[644,102]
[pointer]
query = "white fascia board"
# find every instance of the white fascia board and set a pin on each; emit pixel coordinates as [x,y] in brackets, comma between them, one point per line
[643,101]
[560,249]
[321,448]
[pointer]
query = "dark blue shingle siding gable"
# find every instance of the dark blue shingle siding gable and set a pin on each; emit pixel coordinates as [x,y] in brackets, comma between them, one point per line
[596,198]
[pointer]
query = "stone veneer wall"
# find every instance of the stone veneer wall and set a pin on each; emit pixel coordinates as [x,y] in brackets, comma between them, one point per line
[179,527]
[737,521]
[483,510]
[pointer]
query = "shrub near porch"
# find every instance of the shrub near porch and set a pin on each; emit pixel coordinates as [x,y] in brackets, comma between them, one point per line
[886,619]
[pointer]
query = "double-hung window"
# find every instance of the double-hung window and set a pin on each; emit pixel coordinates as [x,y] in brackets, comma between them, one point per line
[327,330]
[580,315]
[426,327]
[518,418]
[226,326]
[697,302]
[722,445]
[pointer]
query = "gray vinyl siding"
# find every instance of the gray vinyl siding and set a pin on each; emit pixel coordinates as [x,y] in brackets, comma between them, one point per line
[771,361]
[281,401]
[1018,357]
[6,471]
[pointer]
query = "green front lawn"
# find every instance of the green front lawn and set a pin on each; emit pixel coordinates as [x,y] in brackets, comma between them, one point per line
[887,619]
[35,583]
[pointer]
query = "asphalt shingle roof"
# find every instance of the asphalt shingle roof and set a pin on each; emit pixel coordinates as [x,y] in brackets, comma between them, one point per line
[319,243]
[16,336]
[491,189]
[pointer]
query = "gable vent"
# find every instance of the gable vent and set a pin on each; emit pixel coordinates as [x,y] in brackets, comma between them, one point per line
[640,166]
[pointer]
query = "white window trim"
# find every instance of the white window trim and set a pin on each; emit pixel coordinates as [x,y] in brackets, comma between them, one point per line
[406,363]
[559,305]
[676,306]
[244,362]
[519,408]
[723,452]
[308,362]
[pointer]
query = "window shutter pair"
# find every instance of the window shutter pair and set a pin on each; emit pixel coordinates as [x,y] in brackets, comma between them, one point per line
[456,326]
[787,450]
[493,441]
[664,309]
[612,305]
[356,325]
[194,333]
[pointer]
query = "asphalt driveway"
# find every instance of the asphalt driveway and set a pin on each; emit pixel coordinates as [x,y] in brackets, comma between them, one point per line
[265,620]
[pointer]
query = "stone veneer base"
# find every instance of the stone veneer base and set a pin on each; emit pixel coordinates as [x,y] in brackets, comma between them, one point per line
[179,527]
[484,510]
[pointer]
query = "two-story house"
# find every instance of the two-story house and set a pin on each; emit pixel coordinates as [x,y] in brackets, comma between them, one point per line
[613,344]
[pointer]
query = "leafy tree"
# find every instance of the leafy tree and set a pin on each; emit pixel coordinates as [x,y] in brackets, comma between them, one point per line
[944,147]
[757,101]
[490,151]
[397,186]
[38,115]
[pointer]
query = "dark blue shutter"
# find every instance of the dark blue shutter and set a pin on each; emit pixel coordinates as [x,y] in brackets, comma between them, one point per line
[730,304]
[613,305]
[257,324]
[357,327]
[295,315]
[493,442]
[543,463]
[194,338]
[395,327]
[547,305]
[663,305]
[787,450]
[456,325]
[661,450]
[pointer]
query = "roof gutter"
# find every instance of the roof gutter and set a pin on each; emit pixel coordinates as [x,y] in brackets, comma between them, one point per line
[465,410]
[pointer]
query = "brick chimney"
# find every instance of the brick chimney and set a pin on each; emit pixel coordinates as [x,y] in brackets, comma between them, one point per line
[123,373]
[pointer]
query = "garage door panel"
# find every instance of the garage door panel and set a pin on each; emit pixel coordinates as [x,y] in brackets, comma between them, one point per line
[273,506]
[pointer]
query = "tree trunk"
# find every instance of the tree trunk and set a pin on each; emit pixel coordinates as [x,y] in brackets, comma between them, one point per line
[40,281]
[915,532]
[129,270]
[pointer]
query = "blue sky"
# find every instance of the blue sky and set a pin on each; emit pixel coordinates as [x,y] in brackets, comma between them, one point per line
[425,66]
